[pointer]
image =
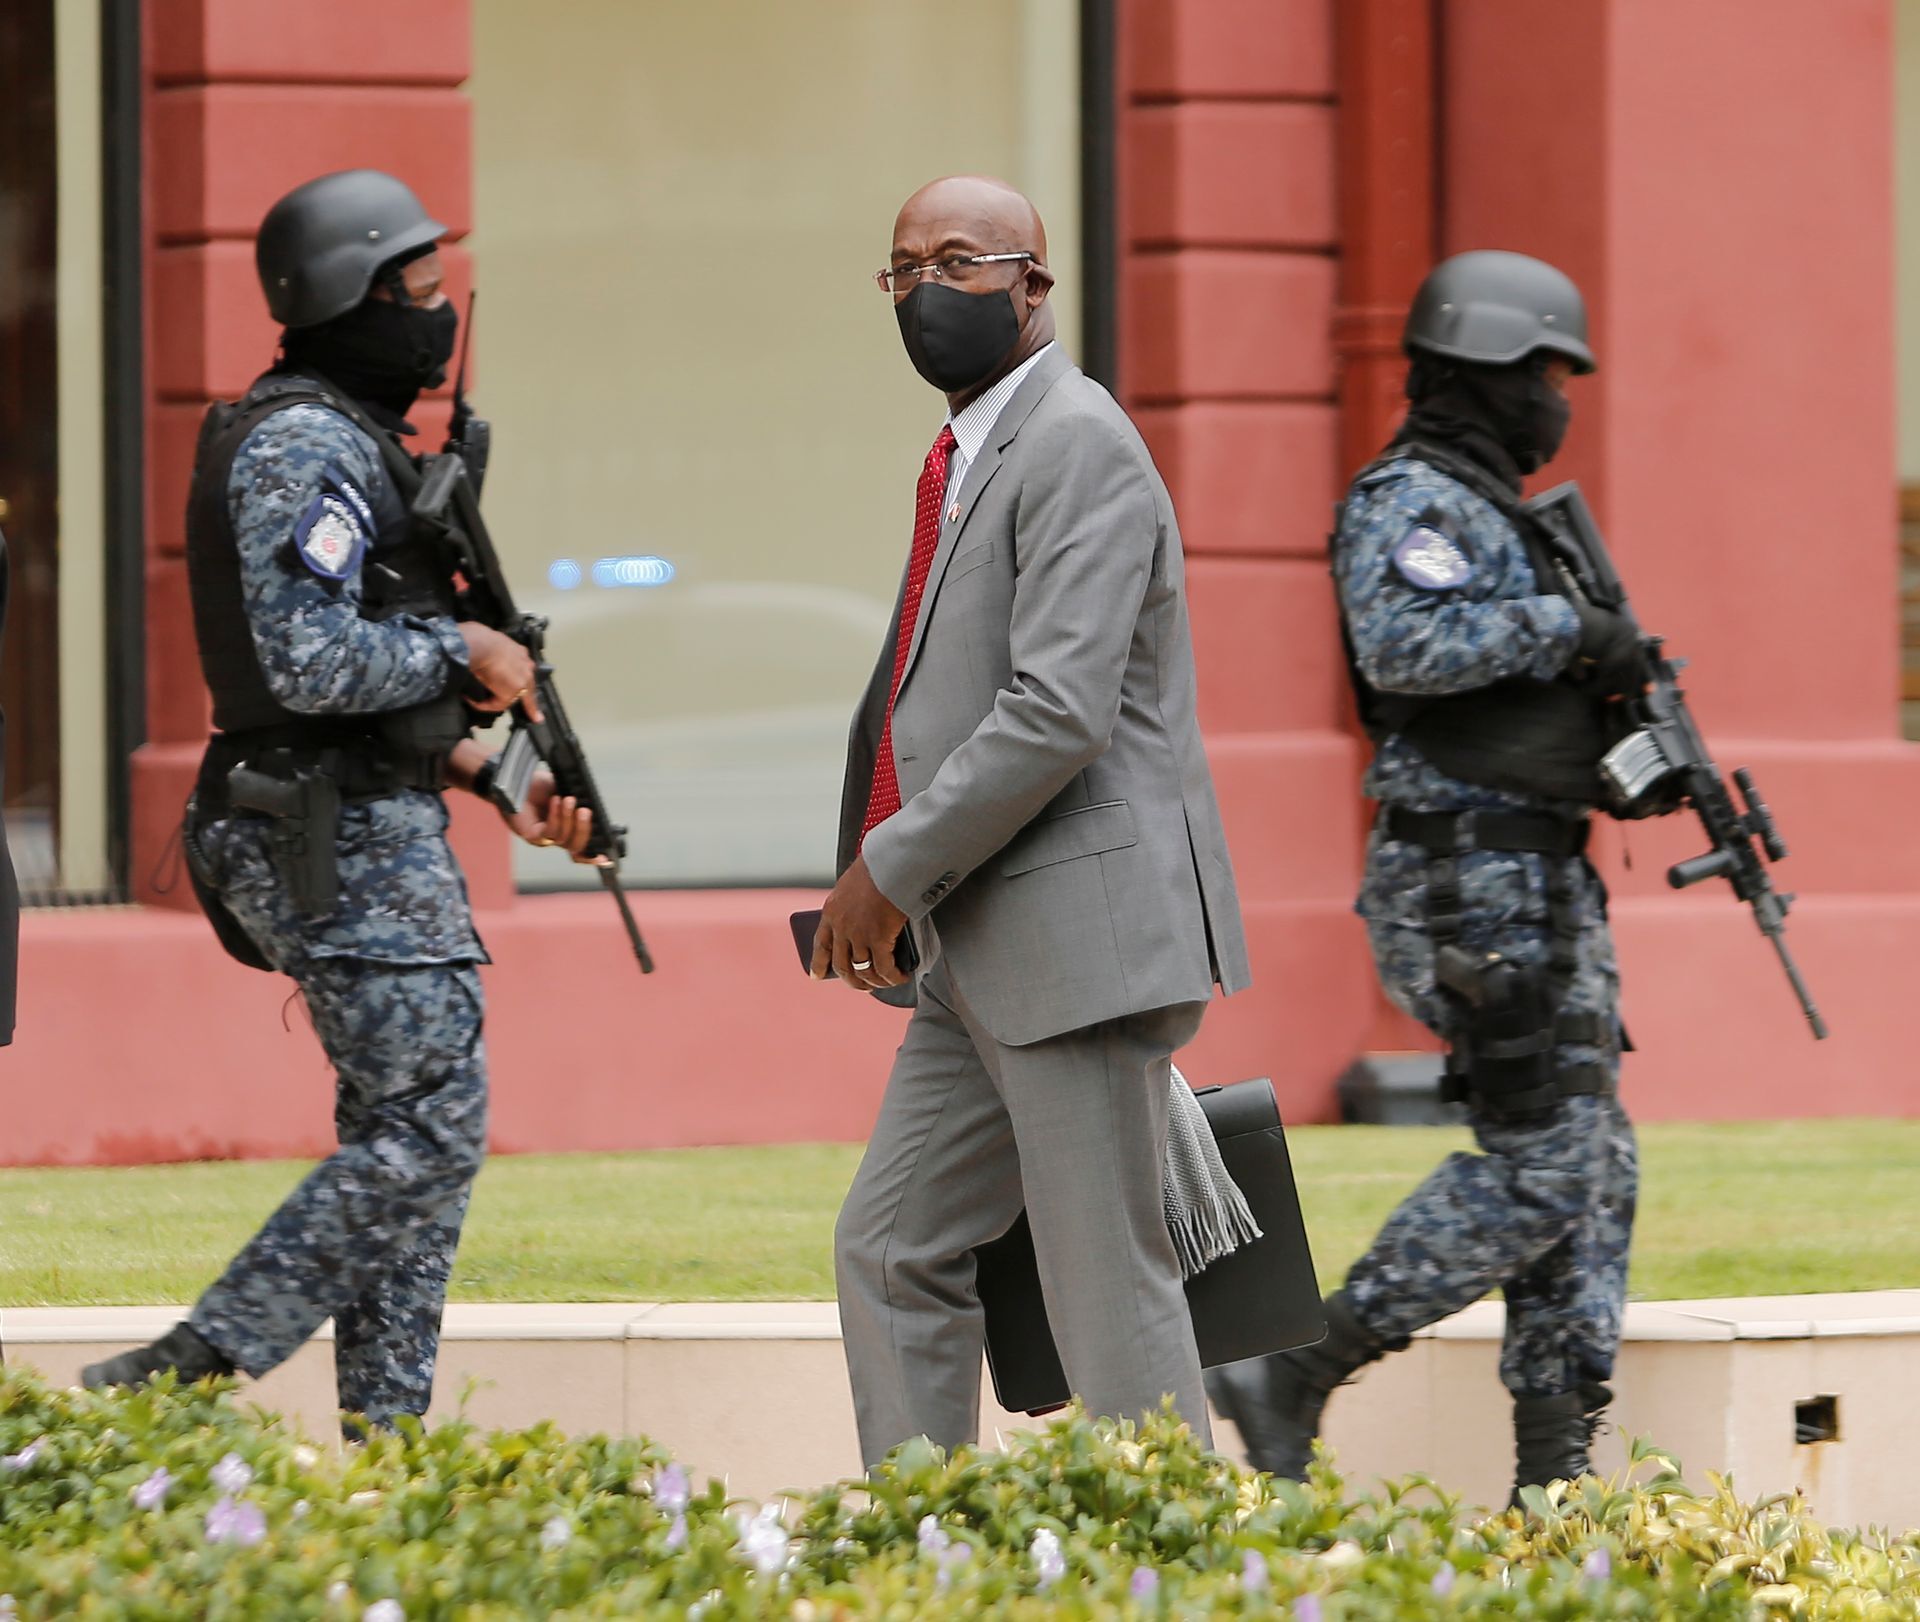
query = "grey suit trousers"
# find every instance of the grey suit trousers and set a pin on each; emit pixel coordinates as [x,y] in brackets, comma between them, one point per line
[970,1129]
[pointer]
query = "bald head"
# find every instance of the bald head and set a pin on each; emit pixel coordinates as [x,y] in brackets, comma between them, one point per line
[987,214]
[982,239]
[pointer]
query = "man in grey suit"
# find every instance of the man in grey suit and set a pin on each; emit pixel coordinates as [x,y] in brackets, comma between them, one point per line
[1027,793]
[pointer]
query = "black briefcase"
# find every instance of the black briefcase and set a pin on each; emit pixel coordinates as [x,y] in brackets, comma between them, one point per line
[1263,1298]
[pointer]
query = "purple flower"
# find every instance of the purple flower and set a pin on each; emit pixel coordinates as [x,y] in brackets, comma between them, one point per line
[152,1492]
[26,1455]
[672,1491]
[1443,1581]
[233,1475]
[1145,1585]
[1254,1575]
[1598,1566]
[1049,1564]
[677,1535]
[1307,1608]
[933,1540]
[952,1559]
[234,1521]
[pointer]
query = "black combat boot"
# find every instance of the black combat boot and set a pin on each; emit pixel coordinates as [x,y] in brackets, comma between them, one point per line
[181,1349]
[1275,1402]
[1553,1436]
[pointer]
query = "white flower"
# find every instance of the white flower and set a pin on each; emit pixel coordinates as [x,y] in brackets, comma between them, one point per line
[339,1593]
[765,1542]
[306,1457]
[556,1534]
[384,1610]
[233,1475]
[300,1509]
[1343,1556]
[1049,1564]
[6,1605]
[26,1455]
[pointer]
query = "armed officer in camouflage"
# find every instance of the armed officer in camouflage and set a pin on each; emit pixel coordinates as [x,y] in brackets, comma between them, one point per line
[344,685]
[1487,694]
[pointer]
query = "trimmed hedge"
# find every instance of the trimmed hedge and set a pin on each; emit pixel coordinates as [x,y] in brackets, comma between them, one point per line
[170,1503]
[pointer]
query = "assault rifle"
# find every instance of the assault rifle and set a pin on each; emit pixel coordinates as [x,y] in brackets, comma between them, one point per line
[448,505]
[1664,760]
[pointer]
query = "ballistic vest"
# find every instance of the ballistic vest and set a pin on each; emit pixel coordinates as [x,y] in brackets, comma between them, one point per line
[402,574]
[1520,735]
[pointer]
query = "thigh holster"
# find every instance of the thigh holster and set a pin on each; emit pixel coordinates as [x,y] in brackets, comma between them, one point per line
[1503,1058]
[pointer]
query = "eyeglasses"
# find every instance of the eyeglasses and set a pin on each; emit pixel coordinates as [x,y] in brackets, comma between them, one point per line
[962,270]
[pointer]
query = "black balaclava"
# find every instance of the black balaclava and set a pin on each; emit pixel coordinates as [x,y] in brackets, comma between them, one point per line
[383,352]
[1509,419]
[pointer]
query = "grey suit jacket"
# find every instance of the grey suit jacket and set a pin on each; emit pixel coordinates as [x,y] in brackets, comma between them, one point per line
[1059,841]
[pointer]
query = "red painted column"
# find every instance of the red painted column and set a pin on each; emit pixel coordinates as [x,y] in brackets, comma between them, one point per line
[245,102]
[1718,177]
[1227,290]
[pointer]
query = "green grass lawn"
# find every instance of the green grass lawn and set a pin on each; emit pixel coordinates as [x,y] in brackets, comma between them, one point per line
[1747,1209]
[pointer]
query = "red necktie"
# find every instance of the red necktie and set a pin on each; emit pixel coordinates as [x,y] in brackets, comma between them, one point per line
[885,798]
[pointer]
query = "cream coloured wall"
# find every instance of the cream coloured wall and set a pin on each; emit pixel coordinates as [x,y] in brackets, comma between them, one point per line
[678,210]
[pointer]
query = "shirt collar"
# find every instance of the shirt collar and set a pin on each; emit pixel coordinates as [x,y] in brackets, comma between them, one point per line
[975,422]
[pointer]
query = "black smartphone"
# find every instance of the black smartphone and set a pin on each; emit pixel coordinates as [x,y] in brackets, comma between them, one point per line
[806,925]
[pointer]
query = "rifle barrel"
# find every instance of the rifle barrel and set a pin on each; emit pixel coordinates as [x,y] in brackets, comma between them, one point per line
[1799,988]
[610,877]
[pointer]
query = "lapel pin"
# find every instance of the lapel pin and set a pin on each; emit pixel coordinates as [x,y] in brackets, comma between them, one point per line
[953,513]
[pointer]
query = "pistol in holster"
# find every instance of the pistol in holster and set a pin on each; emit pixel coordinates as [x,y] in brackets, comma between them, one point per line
[1504,1058]
[304,809]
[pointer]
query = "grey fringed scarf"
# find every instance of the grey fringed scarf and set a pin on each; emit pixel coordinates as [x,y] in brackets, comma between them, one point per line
[1207,1214]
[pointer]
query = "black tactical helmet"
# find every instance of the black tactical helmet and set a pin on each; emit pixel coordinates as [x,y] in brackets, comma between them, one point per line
[1497,308]
[321,245]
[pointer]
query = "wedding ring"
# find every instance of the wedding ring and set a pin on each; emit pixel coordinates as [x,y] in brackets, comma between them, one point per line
[863,966]
[546,841]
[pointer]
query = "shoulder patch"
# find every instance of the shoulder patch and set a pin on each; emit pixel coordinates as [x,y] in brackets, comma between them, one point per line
[1432,561]
[333,532]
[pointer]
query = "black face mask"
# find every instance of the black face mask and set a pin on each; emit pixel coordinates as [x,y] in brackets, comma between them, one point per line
[380,351]
[1552,411]
[1509,418]
[955,339]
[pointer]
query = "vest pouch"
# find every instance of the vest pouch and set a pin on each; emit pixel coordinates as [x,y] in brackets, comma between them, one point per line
[1526,737]
[417,741]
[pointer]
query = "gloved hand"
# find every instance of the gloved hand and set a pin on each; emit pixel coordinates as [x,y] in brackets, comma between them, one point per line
[1609,643]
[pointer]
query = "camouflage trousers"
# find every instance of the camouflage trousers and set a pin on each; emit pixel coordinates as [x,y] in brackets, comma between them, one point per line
[368,1238]
[1545,1211]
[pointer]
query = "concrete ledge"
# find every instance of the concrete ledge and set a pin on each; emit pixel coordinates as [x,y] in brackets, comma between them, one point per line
[756,1392]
